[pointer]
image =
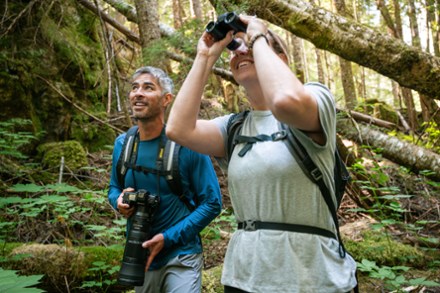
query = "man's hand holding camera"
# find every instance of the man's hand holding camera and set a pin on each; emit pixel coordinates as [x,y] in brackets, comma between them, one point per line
[124,208]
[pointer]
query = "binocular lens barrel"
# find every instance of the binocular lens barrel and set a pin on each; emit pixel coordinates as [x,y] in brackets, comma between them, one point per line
[230,17]
[233,45]
[215,32]
[226,22]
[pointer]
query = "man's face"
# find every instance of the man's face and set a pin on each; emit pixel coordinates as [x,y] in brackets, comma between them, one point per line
[146,97]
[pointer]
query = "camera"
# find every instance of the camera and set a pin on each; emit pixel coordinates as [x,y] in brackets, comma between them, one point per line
[135,256]
[226,22]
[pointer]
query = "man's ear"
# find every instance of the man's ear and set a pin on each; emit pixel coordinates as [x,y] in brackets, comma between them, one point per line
[167,99]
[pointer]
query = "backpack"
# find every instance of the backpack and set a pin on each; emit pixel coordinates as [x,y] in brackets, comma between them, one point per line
[341,174]
[167,162]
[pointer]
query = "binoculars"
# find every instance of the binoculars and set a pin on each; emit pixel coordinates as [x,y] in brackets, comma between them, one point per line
[226,22]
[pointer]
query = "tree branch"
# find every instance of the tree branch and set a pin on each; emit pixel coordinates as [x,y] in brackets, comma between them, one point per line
[78,107]
[129,34]
[164,30]
[407,65]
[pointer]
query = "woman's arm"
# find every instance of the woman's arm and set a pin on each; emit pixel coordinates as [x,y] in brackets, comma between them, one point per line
[284,93]
[183,125]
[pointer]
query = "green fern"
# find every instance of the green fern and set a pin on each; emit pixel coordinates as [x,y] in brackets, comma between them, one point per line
[10,282]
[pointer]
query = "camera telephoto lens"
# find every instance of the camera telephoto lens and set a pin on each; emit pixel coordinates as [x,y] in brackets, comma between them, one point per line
[135,256]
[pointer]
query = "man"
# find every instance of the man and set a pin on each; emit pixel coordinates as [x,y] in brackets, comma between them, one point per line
[175,258]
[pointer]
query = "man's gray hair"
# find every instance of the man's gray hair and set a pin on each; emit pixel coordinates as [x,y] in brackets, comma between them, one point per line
[165,82]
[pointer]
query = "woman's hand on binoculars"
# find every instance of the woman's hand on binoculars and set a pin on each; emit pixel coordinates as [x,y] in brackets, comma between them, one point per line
[254,24]
[155,245]
[208,47]
[123,208]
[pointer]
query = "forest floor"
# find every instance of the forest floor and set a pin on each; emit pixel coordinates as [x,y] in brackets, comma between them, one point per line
[422,206]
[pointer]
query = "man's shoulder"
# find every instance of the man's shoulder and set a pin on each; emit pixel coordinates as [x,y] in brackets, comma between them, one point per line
[119,140]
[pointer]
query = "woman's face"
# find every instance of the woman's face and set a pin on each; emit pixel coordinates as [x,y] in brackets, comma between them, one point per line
[241,61]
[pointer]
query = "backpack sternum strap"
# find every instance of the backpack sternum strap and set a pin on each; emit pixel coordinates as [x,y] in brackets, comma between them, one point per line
[250,140]
[167,161]
[146,170]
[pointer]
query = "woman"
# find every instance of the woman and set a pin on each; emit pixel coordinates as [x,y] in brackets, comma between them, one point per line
[267,184]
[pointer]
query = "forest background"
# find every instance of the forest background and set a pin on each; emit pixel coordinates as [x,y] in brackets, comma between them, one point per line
[64,67]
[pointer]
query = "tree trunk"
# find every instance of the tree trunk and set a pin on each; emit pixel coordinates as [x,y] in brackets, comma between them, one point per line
[196,8]
[177,14]
[401,152]
[350,96]
[352,41]
[436,38]
[298,59]
[398,18]
[424,104]
[320,67]
[433,26]
[148,23]
[388,19]
[395,29]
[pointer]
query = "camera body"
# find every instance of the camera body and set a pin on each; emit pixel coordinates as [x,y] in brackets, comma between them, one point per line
[135,256]
[226,22]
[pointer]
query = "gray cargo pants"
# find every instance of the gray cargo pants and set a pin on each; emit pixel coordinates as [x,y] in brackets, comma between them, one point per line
[182,274]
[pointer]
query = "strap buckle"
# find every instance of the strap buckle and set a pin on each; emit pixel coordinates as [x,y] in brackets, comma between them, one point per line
[249,225]
[280,135]
[316,174]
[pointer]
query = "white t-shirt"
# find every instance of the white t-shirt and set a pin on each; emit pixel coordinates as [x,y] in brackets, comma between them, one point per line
[267,184]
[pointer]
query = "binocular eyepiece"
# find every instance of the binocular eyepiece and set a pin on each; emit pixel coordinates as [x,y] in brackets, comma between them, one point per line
[226,22]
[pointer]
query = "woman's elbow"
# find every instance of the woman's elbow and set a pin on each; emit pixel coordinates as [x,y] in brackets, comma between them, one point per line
[171,132]
[175,134]
[282,105]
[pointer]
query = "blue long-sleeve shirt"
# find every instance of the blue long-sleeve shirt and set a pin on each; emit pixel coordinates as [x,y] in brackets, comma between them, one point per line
[179,226]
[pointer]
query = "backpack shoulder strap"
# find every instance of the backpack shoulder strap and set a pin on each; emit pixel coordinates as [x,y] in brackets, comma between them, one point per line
[171,167]
[235,123]
[172,172]
[314,174]
[125,156]
[342,177]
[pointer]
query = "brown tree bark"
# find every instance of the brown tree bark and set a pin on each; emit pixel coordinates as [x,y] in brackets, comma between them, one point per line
[320,66]
[298,59]
[148,23]
[177,14]
[433,25]
[196,9]
[428,106]
[347,79]
[401,152]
